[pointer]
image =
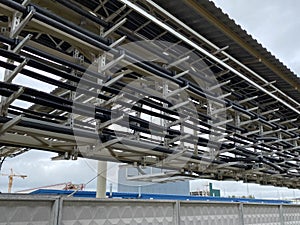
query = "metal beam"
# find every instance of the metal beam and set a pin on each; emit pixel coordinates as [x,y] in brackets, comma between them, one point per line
[15,72]
[181,74]
[114,28]
[113,80]
[7,101]
[179,105]
[8,125]
[21,44]
[17,30]
[219,85]
[221,123]
[221,110]
[115,14]
[177,91]
[177,62]
[118,42]
[248,99]
[176,122]
[110,122]
[112,100]
[112,63]
[196,34]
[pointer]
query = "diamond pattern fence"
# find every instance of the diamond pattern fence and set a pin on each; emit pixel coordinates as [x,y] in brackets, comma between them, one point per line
[36,210]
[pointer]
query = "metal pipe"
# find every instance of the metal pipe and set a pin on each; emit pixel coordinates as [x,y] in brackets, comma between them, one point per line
[160,69]
[196,34]
[59,19]
[191,43]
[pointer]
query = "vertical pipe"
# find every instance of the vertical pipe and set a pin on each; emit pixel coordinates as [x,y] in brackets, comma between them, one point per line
[101,181]
[102,165]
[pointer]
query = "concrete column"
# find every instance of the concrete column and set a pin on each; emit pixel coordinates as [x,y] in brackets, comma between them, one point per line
[101,181]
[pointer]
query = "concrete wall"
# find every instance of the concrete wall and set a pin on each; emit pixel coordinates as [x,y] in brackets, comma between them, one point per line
[36,210]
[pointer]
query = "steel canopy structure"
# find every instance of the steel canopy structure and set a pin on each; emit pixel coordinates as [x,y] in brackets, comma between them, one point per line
[170,84]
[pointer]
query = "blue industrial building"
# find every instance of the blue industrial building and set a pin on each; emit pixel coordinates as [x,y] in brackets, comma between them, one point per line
[173,188]
[120,195]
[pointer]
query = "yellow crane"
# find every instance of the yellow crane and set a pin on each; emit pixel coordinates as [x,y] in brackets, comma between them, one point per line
[11,178]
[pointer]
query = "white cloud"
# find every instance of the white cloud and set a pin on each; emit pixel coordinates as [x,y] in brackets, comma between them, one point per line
[41,171]
[274,23]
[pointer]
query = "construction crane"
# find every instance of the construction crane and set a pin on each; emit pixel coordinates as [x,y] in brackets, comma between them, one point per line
[11,178]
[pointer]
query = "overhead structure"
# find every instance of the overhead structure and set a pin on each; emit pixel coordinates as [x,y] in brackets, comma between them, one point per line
[171,84]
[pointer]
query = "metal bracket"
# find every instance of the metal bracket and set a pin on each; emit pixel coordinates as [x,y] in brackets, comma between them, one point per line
[179,61]
[113,80]
[42,141]
[288,121]
[179,105]
[248,99]
[220,50]
[181,74]
[110,122]
[115,27]
[116,13]
[221,123]
[6,103]
[222,73]
[168,95]
[253,109]
[17,30]
[117,42]
[19,47]
[268,84]
[248,121]
[219,85]
[271,131]
[220,110]
[291,129]
[112,63]
[178,121]
[61,156]
[15,72]
[251,132]
[224,96]
[270,111]
[173,156]
[107,144]
[274,120]
[112,100]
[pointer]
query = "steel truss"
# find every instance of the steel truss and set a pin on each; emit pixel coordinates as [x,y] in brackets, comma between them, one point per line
[244,127]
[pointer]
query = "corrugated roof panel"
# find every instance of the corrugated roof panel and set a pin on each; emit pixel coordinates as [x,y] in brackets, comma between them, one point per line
[196,21]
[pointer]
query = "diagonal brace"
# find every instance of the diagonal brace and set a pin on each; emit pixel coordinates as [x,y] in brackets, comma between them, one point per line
[17,70]
[6,103]
[14,33]
[6,126]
